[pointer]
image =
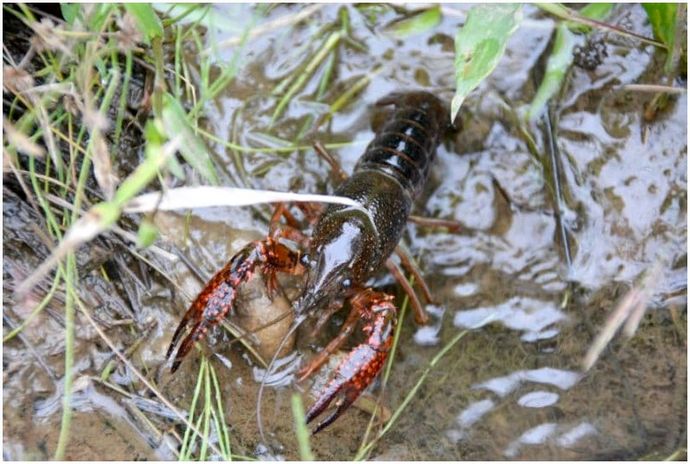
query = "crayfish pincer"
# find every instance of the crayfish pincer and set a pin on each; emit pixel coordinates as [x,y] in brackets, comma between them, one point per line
[348,245]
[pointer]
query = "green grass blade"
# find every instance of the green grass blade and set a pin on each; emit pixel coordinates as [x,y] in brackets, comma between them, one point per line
[146,171]
[420,21]
[188,438]
[309,70]
[40,307]
[223,434]
[556,68]
[301,429]
[65,422]
[192,148]
[124,91]
[479,45]
[207,412]
[349,94]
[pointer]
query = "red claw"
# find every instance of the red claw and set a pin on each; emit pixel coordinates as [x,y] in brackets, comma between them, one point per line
[216,299]
[356,372]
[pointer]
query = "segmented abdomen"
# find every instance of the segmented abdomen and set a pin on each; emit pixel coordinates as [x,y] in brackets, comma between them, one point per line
[406,144]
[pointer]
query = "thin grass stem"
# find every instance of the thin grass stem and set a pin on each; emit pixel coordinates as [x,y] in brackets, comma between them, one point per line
[301,430]
[37,310]
[187,439]
[223,431]
[70,296]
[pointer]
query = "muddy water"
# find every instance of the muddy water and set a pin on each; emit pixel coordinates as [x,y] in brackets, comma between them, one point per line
[513,387]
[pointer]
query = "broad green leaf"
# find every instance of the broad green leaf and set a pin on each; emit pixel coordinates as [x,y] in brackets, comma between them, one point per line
[192,148]
[70,11]
[662,16]
[148,21]
[556,67]
[480,44]
[418,22]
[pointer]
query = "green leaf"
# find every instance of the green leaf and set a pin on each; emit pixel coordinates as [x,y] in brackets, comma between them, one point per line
[420,21]
[556,67]
[148,21]
[480,44]
[662,16]
[70,11]
[192,148]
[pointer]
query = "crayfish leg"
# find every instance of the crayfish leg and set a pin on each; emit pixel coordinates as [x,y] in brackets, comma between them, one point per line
[216,299]
[361,366]
[345,332]
[420,315]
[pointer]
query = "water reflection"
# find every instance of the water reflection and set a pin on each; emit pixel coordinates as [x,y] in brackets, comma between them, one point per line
[548,432]
[501,386]
[530,316]
[468,417]
[538,399]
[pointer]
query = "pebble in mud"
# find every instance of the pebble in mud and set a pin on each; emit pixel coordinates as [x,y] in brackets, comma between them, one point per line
[257,314]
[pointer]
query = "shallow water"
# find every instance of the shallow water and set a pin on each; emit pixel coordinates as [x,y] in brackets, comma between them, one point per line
[513,387]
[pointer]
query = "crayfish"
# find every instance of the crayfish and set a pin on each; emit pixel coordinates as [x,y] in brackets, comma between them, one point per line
[348,245]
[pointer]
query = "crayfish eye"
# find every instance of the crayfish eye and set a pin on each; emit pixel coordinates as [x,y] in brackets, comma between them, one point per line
[347,283]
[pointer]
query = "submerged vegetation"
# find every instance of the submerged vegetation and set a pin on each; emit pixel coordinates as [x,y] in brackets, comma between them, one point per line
[105,102]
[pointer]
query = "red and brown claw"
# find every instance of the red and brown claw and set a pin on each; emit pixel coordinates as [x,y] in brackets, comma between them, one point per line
[356,372]
[215,301]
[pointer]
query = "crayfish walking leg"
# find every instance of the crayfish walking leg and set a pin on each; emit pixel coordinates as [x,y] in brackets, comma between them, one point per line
[356,372]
